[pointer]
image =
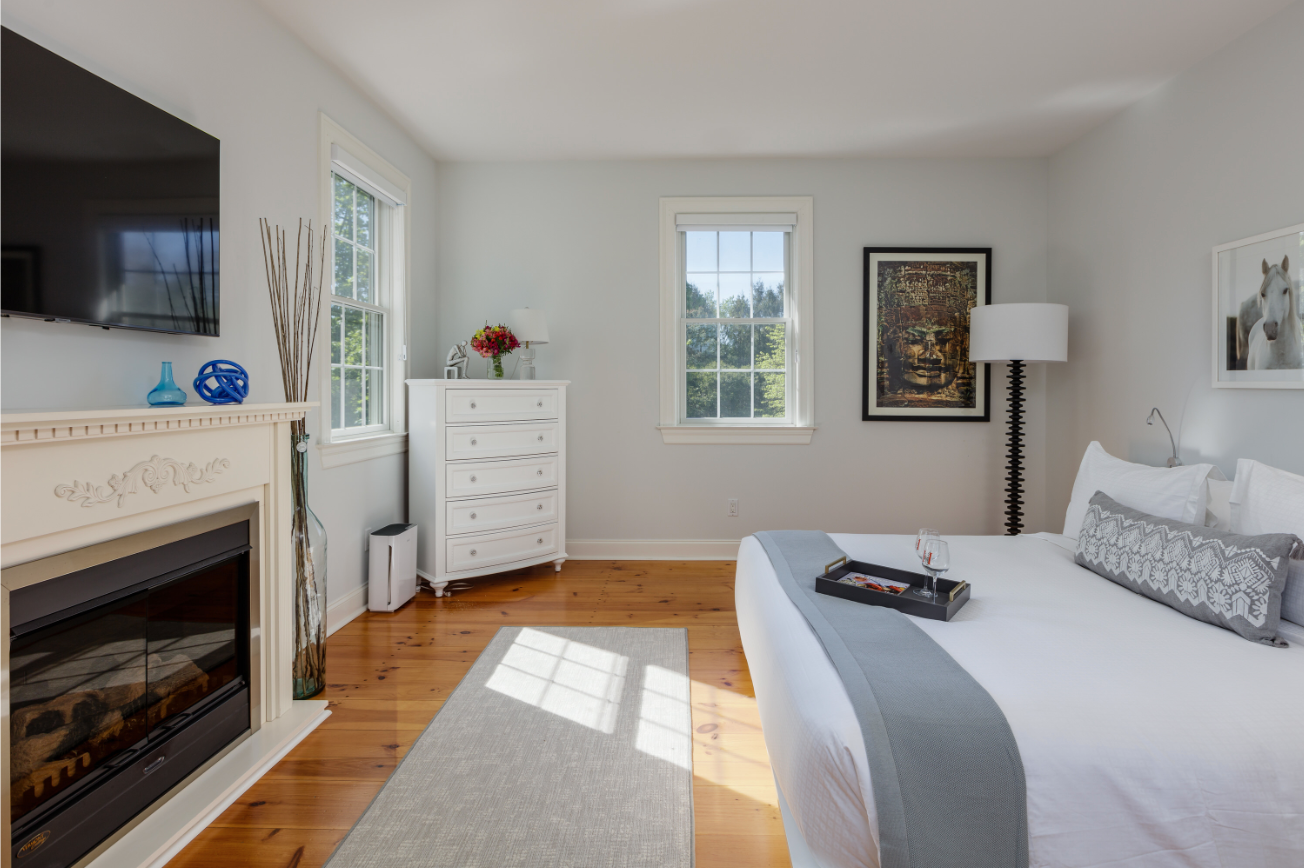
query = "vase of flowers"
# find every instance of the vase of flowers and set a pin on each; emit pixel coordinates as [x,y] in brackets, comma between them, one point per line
[494,342]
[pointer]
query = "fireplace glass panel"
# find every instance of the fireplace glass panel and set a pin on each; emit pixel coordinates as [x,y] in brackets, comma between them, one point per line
[78,697]
[86,689]
[191,640]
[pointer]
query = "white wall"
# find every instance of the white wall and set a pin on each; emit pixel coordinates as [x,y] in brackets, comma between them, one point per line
[232,70]
[579,240]
[1215,155]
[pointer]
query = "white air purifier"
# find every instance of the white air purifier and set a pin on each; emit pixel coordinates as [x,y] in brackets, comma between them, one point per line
[392,575]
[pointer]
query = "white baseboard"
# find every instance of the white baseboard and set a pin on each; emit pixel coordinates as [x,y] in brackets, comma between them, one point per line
[652,549]
[344,610]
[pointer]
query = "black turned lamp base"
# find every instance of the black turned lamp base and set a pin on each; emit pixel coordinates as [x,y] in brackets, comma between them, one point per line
[1014,457]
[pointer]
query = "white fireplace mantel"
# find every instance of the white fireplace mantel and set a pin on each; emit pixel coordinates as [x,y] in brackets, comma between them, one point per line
[82,487]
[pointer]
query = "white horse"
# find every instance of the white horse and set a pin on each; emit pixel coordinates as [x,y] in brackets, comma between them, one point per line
[1277,340]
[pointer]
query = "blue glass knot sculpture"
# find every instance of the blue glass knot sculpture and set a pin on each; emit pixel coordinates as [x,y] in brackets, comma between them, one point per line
[222,382]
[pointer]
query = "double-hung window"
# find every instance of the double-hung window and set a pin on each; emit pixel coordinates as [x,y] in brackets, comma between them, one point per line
[358,318]
[364,352]
[736,362]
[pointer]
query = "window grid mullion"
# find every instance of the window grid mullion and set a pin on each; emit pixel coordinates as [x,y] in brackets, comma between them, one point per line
[362,373]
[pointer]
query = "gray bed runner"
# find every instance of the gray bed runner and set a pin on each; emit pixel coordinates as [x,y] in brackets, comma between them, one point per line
[948,781]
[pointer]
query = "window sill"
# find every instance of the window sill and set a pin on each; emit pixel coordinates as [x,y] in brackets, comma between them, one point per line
[358,449]
[736,435]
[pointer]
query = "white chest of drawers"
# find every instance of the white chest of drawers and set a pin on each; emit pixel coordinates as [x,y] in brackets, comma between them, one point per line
[486,475]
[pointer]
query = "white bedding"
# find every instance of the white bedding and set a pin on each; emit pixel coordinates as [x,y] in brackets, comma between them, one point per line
[1148,739]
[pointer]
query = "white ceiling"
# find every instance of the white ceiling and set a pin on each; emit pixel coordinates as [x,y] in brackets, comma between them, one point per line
[591,79]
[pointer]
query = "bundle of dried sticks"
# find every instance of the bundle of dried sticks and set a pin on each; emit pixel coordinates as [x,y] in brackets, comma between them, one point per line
[296,312]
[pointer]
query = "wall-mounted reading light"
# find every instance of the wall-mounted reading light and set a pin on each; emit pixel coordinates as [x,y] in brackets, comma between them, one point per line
[1150,420]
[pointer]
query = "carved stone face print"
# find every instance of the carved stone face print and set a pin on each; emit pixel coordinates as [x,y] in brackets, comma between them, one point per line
[927,357]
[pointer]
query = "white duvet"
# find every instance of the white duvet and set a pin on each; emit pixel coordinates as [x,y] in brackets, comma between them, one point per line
[1148,739]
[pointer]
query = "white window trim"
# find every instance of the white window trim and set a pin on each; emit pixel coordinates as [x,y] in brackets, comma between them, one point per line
[338,450]
[801,269]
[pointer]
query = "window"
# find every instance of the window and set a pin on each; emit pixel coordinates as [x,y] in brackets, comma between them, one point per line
[735,331]
[736,289]
[357,321]
[365,350]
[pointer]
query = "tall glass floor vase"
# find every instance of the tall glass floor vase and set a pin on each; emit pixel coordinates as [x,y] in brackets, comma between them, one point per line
[309,538]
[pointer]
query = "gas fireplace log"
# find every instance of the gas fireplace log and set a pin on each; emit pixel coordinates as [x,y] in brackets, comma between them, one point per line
[31,789]
[46,731]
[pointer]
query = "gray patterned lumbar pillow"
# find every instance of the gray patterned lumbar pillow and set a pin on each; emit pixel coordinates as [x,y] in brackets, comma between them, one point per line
[1227,579]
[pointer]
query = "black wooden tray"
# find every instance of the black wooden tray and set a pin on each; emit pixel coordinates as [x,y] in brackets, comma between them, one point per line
[951,594]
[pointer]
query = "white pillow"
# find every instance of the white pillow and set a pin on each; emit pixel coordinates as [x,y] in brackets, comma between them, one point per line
[1175,493]
[1218,513]
[1267,500]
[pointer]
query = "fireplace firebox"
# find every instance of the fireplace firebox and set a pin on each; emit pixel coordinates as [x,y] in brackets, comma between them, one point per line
[125,678]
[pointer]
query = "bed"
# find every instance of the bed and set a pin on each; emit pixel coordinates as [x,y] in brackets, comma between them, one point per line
[1148,739]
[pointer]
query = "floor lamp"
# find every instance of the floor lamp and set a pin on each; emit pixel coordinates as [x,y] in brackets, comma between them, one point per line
[1020,334]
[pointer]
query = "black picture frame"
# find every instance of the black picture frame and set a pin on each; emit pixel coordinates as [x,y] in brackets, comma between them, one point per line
[892,402]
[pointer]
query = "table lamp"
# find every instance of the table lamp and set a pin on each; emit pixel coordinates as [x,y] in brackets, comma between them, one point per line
[530,328]
[1020,334]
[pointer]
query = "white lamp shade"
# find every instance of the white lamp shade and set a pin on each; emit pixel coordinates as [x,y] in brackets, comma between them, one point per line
[1019,332]
[530,325]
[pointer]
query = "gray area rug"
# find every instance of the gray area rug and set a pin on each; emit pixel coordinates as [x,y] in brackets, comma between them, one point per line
[562,746]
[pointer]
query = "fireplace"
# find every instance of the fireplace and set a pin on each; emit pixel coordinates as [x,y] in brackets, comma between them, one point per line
[125,678]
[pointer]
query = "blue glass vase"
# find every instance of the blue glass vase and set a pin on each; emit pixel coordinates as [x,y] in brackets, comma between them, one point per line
[166,393]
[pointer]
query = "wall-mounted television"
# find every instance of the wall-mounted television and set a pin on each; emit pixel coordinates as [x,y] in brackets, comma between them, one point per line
[110,204]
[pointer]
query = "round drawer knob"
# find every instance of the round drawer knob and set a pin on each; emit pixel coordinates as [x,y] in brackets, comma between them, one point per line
[537,473]
[473,405]
[473,479]
[472,552]
[472,441]
[540,404]
[473,515]
[540,438]
[540,540]
[540,506]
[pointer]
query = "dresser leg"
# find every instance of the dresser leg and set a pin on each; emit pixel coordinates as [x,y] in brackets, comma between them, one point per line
[557,563]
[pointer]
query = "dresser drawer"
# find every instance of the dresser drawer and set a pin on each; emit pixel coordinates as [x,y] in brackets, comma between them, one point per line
[486,550]
[495,513]
[500,441]
[499,405]
[497,477]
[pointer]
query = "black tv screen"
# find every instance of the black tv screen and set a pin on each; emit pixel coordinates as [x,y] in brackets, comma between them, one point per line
[110,212]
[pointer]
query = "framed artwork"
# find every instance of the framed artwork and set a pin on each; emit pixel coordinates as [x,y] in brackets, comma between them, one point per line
[916,348]
[1258,342]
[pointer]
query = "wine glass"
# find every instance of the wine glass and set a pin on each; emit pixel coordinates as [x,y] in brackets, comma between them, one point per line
[937,560]
[920,538]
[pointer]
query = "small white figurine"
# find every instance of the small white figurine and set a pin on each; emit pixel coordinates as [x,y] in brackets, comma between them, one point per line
[455,365]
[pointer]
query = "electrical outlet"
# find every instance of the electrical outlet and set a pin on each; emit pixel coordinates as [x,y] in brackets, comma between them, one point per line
[366,540]
[733,507]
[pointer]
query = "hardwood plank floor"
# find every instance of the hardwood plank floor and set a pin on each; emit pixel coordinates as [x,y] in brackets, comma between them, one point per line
[387,675]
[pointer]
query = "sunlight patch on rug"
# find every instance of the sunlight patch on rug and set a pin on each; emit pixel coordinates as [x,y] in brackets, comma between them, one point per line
[665,724]
[570,679]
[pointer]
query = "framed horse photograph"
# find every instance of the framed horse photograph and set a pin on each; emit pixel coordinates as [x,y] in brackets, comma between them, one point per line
[916,343]
[1258,338]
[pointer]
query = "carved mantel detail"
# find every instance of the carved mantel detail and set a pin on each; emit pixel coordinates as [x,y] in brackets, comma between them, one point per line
[154,474]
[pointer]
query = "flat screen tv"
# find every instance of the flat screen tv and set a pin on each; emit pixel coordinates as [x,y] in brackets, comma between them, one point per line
[110,213]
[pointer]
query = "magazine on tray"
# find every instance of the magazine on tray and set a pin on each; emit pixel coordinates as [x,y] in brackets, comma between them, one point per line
[874,583]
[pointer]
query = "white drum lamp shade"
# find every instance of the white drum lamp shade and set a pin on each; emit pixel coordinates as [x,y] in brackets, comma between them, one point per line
[1019,332]
[529,325]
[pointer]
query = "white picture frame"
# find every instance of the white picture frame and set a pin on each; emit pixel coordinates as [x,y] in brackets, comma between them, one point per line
[1243,356]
